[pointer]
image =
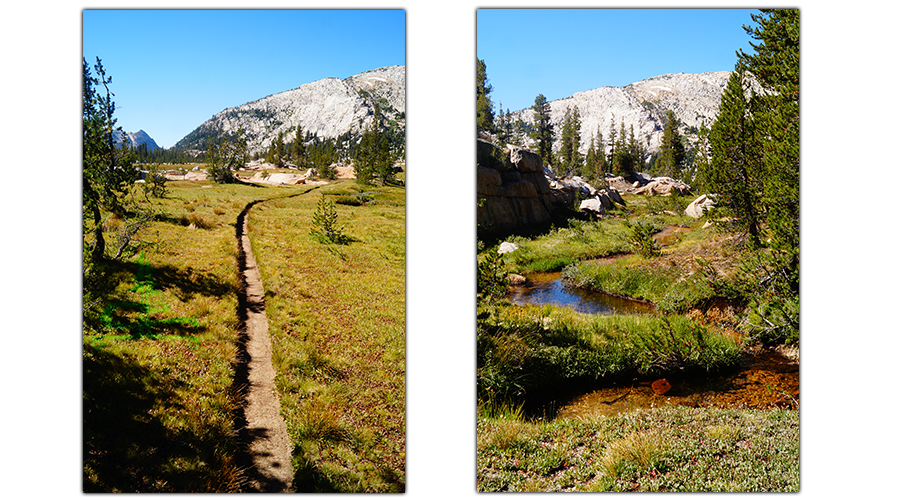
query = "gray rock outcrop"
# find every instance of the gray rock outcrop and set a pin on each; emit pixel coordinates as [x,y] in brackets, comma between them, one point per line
[512,191]
[699,207]
[642,106]
[327,108]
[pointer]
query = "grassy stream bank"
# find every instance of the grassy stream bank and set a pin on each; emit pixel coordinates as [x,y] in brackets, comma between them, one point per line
[528,353]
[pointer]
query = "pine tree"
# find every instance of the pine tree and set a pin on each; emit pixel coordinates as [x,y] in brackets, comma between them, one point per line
[226,156]
[280,152]
[776,65]
[504,128]
[702,154]
[591,160]
[298,149]
[373,161]
[570,160]
[518,132]
[483,105]
[671,152]
[543,131]
[107,170]
[610,159]
[734,169]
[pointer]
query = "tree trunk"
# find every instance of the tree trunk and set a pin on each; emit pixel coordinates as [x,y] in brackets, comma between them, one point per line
[99,251]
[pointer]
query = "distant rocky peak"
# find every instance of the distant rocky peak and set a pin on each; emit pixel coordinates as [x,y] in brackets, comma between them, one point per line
[327,108]
[642,107]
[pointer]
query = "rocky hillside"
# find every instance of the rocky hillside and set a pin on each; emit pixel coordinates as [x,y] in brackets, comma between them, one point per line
[136,139]
[693,97]
[328,108]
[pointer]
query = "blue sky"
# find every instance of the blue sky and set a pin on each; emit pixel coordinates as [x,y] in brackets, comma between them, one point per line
[174,69]
[558,52]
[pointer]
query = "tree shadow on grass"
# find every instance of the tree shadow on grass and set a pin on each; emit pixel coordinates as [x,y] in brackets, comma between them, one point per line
[133,310]
[126,446]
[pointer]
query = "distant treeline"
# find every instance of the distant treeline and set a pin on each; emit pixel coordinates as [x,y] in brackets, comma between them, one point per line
[162,155]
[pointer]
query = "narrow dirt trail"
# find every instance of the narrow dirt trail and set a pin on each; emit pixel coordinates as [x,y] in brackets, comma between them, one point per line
[261,430]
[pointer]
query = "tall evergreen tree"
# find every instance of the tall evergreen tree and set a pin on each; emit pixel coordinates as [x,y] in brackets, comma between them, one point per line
[591,160]
[483,106]
[543,131]
[107,170]
[570,160]
[298,148]
[702,154]
[280,151]
[775,62]
[612,145]
[734,168]
[518,132]
[226,156]
[671,152]
[373,161]
[504,127]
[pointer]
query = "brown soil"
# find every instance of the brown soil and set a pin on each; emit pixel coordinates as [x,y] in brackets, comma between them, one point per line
[261,429]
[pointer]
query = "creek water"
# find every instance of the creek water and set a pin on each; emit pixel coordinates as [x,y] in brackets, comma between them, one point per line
[764,378]
[548,288]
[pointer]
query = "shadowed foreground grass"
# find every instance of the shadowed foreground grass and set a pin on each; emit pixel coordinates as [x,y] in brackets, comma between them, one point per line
[159,335]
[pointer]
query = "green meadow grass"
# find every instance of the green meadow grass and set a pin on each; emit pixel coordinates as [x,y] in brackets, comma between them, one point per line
[526,349]
[160,334]
[159,344]
[337,321]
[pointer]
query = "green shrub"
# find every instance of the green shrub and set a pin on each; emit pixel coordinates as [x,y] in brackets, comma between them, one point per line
[640,237]
[325,227]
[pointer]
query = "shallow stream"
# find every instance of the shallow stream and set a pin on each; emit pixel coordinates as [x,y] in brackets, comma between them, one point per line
[764,379]
[548,288]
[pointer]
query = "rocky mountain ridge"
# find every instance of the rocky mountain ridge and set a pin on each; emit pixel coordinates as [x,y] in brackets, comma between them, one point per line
[643,105]
[328,108]
[136,139]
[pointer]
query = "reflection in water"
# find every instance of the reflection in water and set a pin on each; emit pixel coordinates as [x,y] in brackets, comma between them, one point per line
[547,288]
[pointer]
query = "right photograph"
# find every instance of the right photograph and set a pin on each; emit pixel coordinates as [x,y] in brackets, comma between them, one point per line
[638,250]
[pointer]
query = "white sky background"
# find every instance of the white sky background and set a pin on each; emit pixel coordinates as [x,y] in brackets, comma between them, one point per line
[848,433]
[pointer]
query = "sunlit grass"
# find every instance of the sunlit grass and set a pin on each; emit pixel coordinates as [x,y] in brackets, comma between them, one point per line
[663,449]
[159,345]
[336,316]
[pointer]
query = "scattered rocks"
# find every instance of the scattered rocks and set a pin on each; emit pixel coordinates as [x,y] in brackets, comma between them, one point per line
[593,206]
[699,207]
[516,279]
[507,247]
[641,183]
[660,386]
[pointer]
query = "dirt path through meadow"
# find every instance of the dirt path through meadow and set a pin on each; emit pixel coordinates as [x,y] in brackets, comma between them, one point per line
[261,429]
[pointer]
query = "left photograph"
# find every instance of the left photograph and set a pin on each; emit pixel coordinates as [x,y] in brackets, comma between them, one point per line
[243,251]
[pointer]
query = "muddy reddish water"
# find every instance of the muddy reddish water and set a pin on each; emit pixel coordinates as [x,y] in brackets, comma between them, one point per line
[764,380]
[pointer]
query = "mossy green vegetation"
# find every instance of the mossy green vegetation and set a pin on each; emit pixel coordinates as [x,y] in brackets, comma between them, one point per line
[523,350]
